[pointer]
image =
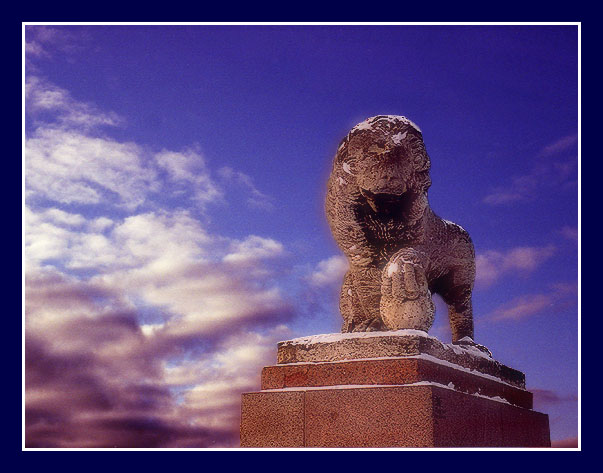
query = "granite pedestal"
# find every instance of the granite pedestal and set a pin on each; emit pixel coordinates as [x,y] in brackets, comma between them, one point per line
[389,389]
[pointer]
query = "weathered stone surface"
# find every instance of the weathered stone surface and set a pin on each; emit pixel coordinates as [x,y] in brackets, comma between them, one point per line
[468,421]
[399,251]
[356,346]
[389,389]
[392,371]
[390,416]
[369,417]
[271,419]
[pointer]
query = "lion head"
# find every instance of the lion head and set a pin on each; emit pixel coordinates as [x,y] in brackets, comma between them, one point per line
[385,157]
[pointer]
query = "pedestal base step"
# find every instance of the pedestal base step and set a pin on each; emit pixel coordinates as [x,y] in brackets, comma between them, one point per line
[423,414]
[382,345]
[389,389]
[393,371]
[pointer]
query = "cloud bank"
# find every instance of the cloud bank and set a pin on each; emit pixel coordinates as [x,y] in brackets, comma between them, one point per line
[142,328]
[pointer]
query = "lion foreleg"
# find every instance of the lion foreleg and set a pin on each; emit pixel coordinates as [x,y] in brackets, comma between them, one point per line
[405,297]
[359,302]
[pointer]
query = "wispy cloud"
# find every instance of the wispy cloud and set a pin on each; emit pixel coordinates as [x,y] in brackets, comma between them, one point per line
[188,170]
[329,272]
[492,265]
[523,306]
[142,327]
[559,296]
[546,396]
[54,106]
[252,249]
[43,41]
[255,198]
[563,144]
[570,233]
[545,174]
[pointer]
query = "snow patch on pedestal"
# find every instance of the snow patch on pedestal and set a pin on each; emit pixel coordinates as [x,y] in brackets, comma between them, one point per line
[448,386]
[461,349]
[335,337]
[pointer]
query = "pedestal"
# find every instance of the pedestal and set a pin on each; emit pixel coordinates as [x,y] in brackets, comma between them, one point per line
[389,389]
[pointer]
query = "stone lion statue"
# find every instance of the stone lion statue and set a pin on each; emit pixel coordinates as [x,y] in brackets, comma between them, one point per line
[399,251]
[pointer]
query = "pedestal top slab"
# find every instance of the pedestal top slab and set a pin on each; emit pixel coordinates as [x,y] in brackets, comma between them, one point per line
[392,344]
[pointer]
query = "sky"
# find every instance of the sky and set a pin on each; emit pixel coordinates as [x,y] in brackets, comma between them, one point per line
[174,226]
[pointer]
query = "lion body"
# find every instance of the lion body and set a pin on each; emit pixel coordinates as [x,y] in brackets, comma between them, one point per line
[379,214]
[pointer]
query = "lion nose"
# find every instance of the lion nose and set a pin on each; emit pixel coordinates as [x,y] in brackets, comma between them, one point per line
[389,185]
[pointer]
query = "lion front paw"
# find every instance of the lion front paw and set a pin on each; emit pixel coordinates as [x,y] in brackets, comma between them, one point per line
[467,342]
[405,298]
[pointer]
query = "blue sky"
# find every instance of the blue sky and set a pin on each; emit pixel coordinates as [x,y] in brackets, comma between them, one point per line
[174,222]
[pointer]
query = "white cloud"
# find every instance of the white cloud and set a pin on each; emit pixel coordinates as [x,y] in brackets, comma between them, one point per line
[189,167]
[99,224]
[154,237]
[559,296]
[492,264]
[169,263]
[61,109]
[71,168]
[43,240]
[253,248]
[66,218]
[522,307]
[234,368]
[330,271]
[46,42]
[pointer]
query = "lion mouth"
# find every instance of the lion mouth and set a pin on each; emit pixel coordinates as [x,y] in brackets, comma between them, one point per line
[387,203]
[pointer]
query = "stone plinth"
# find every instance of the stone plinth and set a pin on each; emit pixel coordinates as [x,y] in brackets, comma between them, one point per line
[389,389]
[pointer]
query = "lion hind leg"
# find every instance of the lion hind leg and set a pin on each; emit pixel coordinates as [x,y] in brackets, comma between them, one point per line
[461,324]
[456,287]
[460,315]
